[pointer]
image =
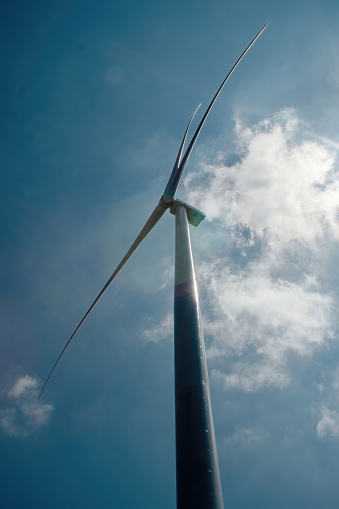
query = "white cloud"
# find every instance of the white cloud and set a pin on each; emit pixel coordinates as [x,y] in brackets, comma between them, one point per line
[267,299]
[328,423]
[7,420]
[160,330]
[168,271]
[22,384]
[248,437]
[24,415]
[335,381]
[277,316]
[281,188]
[252,377]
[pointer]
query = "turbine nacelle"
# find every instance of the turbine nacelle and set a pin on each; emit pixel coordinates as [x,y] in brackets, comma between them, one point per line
[194,216]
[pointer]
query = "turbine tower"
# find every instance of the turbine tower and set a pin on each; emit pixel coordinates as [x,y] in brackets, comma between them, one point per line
[197,468]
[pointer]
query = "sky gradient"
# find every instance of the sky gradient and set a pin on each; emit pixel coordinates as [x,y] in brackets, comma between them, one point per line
[95,98]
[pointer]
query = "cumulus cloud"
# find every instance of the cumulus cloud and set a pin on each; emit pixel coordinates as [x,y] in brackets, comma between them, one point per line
[281,187]
[161,330]
[22,385]
[267,299]
[328,423]
[23,414]
[167,263]
[248,437]
[252,377]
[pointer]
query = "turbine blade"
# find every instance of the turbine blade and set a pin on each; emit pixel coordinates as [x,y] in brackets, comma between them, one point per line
[176,175]
[177,161]
[157,213]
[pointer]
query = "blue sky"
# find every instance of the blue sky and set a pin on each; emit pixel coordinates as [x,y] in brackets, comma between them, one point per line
[95,98]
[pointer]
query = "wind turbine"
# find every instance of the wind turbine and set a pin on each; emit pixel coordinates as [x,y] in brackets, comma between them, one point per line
[197,468]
